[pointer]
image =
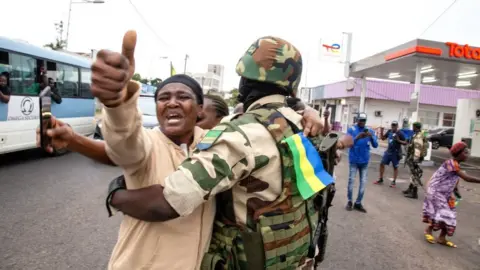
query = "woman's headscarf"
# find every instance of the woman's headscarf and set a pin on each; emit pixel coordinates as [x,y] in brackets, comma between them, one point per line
[186,80]
[457,149]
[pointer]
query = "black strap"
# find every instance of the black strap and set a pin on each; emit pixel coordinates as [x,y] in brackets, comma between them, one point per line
[116,184]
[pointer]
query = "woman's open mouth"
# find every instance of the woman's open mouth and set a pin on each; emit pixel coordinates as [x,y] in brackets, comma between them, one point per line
[174,118]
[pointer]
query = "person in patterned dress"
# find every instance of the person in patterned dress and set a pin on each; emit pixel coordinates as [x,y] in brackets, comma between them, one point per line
[439,205]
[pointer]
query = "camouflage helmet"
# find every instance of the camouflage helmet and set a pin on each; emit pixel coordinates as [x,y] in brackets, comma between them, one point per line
[274,60]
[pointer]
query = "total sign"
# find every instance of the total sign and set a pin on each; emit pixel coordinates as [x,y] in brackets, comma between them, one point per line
[331,48]
[23,108]
[463,51]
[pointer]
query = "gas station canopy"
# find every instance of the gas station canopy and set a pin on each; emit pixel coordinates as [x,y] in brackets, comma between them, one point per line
[444,64]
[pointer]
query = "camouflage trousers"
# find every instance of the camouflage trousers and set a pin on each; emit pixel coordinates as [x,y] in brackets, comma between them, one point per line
[416,172]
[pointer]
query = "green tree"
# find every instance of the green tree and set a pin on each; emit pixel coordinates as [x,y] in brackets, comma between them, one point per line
[59,43]
[144,80]
[232,101]
[155,82]
[136,77]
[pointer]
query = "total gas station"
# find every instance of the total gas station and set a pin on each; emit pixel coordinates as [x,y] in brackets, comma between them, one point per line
[420,61]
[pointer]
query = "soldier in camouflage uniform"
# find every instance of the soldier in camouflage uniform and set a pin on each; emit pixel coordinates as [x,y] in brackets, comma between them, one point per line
[262,221]
[416,151]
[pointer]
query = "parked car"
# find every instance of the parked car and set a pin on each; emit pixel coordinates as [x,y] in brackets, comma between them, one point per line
[441,137]
[146,105]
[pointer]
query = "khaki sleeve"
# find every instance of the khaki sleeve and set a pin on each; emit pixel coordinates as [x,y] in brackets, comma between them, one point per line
[127,143]
[210,171]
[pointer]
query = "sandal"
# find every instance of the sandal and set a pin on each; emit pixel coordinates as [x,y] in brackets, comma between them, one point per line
[448,244]
[430,239]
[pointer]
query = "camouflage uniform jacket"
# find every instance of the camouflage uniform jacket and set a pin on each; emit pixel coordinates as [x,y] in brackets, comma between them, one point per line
[244,159]
[417,148]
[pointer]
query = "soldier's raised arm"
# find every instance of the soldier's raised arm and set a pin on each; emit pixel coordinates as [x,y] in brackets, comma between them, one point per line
[221,159]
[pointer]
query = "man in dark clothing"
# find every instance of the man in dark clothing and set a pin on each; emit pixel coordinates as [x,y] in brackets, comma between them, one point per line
[55,94]
[5,91]
[393,154]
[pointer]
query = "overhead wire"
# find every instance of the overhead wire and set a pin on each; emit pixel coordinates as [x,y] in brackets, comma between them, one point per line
[148,25]
[438,17]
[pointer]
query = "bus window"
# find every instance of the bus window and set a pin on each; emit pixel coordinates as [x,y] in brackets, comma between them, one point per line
[52,70]
[3,58]
[85,80]
[22,76]
[67,80]
[5,68]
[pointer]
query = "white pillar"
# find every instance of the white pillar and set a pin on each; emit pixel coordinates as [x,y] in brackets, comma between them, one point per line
[348,55]
[416,92]
[363,94]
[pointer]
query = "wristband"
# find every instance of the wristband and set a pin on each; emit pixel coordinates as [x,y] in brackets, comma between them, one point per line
[116,184]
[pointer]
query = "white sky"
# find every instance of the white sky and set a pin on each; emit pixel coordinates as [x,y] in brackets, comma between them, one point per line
[218,32]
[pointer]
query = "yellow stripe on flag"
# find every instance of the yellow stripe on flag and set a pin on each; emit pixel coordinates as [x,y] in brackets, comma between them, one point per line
[172,70]
[306,167]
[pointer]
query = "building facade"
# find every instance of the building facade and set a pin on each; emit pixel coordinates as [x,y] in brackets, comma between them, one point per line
[386,102]
[212,80]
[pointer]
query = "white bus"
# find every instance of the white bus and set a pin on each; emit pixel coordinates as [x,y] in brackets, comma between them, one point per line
[24,65]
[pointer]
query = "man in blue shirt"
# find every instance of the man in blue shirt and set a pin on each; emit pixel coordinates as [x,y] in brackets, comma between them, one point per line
[359,156]
[393,154]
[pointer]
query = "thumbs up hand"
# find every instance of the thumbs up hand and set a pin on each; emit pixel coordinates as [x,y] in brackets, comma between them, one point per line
[112,71]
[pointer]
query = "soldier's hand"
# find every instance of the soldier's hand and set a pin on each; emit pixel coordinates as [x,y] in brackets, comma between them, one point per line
[344,142]
[61,134]
[338,157]
[312,123]
[112,71]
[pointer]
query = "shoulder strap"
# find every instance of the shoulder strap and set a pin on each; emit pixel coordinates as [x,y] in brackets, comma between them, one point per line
[266,115]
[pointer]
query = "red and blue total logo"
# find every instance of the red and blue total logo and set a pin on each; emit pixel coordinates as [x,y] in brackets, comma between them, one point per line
[334,48]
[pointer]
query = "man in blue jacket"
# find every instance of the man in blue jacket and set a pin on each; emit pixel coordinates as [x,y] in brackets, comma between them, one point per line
[359,156]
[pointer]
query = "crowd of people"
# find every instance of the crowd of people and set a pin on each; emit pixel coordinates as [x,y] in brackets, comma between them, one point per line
[35,88]
[224,188]
[174,174]
[441,195]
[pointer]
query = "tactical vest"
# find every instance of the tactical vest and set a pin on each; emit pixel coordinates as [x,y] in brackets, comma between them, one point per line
[283,234]
[418,141]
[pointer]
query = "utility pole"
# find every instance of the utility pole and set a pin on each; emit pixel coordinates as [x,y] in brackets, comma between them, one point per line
[68,23]
[185,67]
[70,13]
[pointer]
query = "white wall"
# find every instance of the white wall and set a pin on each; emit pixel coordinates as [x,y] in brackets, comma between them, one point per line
[396,111]
[391,111]
[466,109]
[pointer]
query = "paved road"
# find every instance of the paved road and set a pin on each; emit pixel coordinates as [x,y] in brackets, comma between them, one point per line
[444,153]
[53,214]
[440,155]
[53,217]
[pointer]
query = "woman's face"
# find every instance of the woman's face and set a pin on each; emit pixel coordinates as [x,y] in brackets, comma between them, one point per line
[209,117]
[464,155]
[177,109]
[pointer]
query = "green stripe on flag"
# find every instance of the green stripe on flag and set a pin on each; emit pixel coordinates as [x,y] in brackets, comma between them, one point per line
[303,187]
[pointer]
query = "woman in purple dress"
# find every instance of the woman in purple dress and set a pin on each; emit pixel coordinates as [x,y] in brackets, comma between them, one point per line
[439,204]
